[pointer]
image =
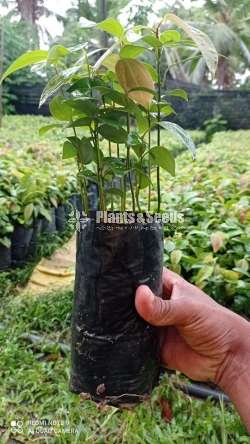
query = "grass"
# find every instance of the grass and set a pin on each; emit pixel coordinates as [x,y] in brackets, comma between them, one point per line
[35,385]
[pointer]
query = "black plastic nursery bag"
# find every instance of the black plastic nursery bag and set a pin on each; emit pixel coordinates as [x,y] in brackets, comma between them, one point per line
[114,351]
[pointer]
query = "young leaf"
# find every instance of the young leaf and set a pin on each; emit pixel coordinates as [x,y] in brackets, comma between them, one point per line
[203,42]
[163,158]
[131,51]
[152,41]
[132,74]
[56,52]
[110,62]
[151,71]
[28,210]
[116,135]
[112,26]
[178,93]
[44,129]
[171,35]
[167,110]
[142,88]
[27,59]
[69,150]
[51,88]
[59,109]
[175,257]
[181,134]
[217,240]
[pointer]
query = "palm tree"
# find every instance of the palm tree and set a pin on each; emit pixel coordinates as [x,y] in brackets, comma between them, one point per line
[227,23]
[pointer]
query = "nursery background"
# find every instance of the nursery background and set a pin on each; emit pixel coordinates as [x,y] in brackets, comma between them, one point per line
[38,193]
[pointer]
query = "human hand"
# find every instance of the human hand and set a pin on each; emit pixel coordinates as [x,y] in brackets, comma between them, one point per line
[201,338]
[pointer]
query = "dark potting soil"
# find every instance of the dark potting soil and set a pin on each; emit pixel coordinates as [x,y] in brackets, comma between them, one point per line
[114,351]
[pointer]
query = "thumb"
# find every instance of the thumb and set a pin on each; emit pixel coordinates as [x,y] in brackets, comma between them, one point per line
[158,311]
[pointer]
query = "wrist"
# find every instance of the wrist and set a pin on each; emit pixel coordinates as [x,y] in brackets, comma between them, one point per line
[234,377]
[237,361]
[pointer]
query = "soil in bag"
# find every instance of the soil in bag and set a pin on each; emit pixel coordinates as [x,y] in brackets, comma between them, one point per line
[114,351]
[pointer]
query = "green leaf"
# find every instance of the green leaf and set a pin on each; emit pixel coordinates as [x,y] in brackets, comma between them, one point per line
[69,150]
[171,35]
[59,109]
[81,85]
[142,88]
[83,121]
[151,71]
[142,178]
[56,52]
[5,241]
[203,42]
[28,210]
[110,62]
[152,41]
[51,88]
[178,93]
[113,95]
[168,110]
[27,59]
[84,105]
[112,26]
[86,151]
[180,134]
[114,191]
[175,257]
[115,166]
[131,51]
[88,174]
[163,158]
[44,129]
[113,134]
[57,82]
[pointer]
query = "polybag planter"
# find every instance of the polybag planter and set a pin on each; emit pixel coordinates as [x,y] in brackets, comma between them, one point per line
[20,241]
[5,257]
[49,227]
[33,246]
[114,351]
[60,219]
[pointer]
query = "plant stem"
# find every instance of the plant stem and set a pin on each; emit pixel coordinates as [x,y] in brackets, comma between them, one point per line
[149,163]
[128,166]
[112,183]
[82,181]
[158,66]
[99,172]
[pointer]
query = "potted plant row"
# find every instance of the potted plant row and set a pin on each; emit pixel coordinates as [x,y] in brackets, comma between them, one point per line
[33,202]
[113,106]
